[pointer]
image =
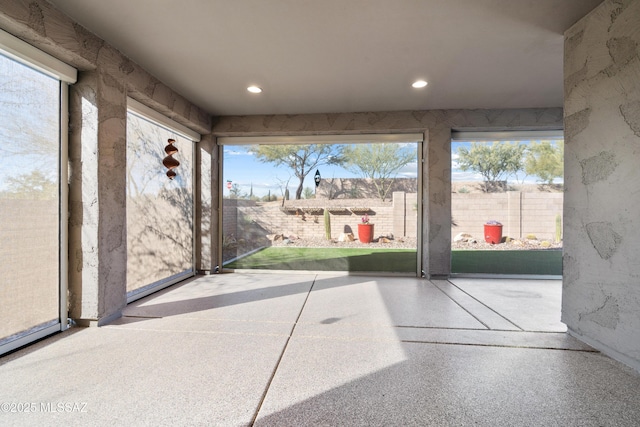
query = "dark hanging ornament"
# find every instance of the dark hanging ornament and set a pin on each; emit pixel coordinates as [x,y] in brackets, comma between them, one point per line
[169,162]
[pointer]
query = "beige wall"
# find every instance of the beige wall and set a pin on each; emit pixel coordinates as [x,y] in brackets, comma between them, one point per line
[520,213]
[397,217]
[601,295]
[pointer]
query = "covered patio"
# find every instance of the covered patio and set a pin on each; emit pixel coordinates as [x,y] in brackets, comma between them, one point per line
[325,349]
[308,348]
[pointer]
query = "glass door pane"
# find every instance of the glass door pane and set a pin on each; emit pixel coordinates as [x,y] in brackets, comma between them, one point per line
[29,196]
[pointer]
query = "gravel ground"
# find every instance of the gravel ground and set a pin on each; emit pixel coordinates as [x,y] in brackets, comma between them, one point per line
[513,245]
[400,243]
[410,243]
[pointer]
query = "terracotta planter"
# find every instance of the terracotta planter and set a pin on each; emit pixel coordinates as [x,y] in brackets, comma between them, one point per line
[493,233]
[365,233]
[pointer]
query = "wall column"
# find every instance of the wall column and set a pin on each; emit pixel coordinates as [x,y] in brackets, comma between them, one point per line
[514,214]
[600,298]
[97,227]
[399,214]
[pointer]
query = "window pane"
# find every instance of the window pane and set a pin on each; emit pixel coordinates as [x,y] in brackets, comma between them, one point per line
[159,210]
[29,196]
[506,204]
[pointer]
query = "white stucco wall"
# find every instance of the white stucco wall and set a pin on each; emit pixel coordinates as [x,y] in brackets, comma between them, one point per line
[601,296]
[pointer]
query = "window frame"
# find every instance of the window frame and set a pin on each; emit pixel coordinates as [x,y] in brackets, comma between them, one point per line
[146,113]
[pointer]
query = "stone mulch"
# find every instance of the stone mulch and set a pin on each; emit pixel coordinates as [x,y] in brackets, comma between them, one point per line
[411,243]
[513,245]
[388,243]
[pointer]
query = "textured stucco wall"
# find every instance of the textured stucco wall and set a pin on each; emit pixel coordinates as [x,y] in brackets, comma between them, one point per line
[97,148]
[97,227]
[436,125]
[601,296]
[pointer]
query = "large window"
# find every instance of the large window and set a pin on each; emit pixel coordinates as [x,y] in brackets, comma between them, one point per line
[506,203]
[159,209]
[341,203]
[32,217]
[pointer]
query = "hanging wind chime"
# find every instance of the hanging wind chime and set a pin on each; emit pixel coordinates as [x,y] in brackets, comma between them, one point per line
[169,162]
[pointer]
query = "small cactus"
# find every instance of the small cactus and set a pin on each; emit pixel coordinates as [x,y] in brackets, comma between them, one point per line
[558,228]
[327,224]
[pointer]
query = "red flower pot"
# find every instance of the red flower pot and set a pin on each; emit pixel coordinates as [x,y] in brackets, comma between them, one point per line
[365,233]
[493,233]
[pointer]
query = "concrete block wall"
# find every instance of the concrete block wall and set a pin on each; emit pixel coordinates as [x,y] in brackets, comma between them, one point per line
[305,218]
[539,212]
[520,213]
[304,225]
[470,211]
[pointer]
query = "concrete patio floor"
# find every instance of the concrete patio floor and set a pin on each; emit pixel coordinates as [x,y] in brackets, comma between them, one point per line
[324,349]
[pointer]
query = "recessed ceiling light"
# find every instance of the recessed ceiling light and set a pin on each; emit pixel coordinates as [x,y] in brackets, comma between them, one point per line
[419,84]
[254,89]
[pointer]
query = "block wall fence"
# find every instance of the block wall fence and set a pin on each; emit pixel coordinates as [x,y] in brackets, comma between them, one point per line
[398,216]
[520,213]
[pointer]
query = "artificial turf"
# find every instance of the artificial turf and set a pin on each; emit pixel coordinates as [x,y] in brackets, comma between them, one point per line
[330,259]
[534,262]
[531,262]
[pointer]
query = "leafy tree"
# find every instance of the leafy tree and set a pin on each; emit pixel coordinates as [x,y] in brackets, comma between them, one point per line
[495,162]
[379,162]
[308,193]
[302,159]
[545,160]
[269,197]
[34,185]
[236,192]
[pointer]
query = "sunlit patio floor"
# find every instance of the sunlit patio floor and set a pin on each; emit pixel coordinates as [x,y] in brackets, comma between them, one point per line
[310,349]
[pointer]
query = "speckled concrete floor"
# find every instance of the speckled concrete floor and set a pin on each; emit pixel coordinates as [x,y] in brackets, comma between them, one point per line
[324,349]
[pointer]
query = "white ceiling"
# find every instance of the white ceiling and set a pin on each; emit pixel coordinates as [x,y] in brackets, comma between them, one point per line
[328,56]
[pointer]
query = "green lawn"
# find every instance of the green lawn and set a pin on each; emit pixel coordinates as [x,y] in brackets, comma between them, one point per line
[537,262]
[330,259]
